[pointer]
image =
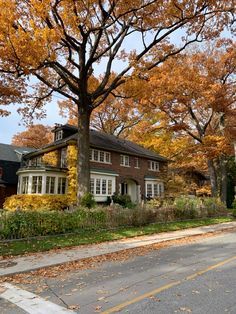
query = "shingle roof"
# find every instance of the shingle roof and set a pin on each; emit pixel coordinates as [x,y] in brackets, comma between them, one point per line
[107,142]
[12,152]
[110,142]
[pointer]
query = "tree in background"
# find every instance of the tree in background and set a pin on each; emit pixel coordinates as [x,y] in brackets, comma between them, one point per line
[59,42]
[35,136]
[194,101]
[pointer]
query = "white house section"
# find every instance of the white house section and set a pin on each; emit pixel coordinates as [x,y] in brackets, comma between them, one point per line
[154,188]
[102,185]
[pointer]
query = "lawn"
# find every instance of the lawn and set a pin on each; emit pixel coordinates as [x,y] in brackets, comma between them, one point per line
[18,247]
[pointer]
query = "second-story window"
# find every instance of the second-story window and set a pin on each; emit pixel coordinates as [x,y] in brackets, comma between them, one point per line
[136,163]
[124,161]
[63,158]
[153,165]
[100,156]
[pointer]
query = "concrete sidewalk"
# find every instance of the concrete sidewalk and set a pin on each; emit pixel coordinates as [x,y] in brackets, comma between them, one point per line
[40,260]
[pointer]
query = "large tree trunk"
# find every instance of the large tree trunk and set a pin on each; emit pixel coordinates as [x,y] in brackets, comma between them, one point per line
[223,181]
[213,178]
[83,164]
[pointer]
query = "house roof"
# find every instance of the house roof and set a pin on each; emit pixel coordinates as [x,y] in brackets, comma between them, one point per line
[12,152]
[10,158]
[104,141]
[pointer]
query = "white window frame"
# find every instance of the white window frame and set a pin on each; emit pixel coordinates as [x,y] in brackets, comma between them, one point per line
[61,185]
[106,185]
[38,184]
[155,187]
[58,135]
[125,160]
[136,163]
[51,183]
[24,185]
[153,165]
[101,156]
[63,161]
[43,175]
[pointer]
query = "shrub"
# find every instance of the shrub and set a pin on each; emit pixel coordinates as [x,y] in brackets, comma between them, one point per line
[23,224]
[214,206]
[154,203]
[234,204]
[186,208]
[88,200]
[36,202]
[123,200]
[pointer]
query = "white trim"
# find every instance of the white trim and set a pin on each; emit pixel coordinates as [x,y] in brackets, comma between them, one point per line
[104,173]
[99,151]
[100,197]
[44,174]
[155,184]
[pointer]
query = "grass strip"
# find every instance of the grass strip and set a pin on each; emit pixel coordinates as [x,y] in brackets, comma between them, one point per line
[92,236]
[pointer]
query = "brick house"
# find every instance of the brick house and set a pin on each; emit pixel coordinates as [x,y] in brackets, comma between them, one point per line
[116,165]
[10,159]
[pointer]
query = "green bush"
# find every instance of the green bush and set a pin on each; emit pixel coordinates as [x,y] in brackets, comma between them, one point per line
[123,200]
[88,200]
[234,204]
[186,208]
[214,206]
[23,224]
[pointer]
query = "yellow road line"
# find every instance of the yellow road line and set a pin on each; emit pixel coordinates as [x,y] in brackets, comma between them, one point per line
[119,307]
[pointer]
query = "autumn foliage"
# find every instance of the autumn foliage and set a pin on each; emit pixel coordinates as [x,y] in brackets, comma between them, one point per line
[35,136]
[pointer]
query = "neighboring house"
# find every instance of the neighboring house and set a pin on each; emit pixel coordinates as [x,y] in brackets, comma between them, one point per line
[10,158]
[116,165]
[196,182]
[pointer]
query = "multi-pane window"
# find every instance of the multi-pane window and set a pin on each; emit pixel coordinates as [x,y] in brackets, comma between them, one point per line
[109,187]
[36,185]
[100,156]
[149,190]
[153,165]
[101,186]
[104,186]
[61,188]
[24,185]
[63,158]
[92,185]
[136,162]
[124,161]
[37,161]
[58,135]
[50,185]
[98,186]
[154,189]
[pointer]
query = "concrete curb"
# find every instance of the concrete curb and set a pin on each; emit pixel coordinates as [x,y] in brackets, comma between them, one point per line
[38,261]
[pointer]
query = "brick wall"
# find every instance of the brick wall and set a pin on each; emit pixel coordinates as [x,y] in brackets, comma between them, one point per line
[136,174]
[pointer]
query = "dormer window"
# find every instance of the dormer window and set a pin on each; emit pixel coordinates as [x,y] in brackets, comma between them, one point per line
[58,135]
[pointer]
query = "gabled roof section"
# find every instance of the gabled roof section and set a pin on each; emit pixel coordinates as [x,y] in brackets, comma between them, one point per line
[12,152]
[104,141]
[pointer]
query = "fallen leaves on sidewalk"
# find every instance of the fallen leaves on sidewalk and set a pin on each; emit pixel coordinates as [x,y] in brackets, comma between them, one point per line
[88,263]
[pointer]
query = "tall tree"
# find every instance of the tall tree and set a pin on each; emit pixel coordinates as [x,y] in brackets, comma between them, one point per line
[10,92]
[60,42]
[35,136]
[196,99]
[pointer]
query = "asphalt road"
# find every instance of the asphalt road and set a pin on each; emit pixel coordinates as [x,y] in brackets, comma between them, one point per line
[198,278]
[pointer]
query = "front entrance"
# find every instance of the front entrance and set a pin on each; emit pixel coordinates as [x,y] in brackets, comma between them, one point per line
[131,188]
